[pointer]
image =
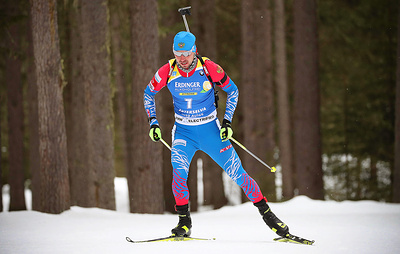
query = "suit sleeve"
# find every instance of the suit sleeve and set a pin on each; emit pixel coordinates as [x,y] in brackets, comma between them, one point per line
[221,79]
[158,81]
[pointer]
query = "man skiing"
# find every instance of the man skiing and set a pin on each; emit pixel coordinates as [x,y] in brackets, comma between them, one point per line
[191,79]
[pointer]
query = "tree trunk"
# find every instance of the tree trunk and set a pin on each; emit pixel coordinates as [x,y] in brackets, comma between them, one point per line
[166,110]
[263,102]
[54,188]
[80,179]
[1,178]
[256,92]
[33,119]
[396,171]
[247,89]
[284,130]
[15,112]
[373,188]
[98,103]
[145,172]
[206,42]
[205,29]
[306,101]
[121,94]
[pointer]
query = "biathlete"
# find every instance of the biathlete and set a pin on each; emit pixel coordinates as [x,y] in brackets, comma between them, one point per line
[191,79]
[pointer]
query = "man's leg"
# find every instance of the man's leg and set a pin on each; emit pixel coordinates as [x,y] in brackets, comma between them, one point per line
[225,155]
[181,155]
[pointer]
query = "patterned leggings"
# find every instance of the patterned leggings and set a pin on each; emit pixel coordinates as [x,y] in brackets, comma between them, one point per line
[187,140]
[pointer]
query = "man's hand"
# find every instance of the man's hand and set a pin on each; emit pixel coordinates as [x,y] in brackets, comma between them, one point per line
[155,132]
[226,130]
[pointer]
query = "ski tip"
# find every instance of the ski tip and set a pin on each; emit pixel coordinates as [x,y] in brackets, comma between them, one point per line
[273,169]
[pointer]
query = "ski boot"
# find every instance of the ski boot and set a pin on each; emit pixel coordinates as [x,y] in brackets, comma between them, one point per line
[185,223]
[271,220]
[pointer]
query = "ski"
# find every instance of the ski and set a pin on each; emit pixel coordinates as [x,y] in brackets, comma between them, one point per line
[171,238]
[289,238]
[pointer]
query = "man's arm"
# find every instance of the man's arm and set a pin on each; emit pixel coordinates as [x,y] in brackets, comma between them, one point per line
[222,80]
[158,81]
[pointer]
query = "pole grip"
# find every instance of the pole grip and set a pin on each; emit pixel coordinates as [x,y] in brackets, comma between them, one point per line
[185,11]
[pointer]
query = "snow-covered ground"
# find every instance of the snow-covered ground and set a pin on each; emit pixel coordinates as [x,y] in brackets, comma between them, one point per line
[337,227]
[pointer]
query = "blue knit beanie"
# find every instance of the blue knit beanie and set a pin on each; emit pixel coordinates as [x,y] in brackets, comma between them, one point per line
[185,41]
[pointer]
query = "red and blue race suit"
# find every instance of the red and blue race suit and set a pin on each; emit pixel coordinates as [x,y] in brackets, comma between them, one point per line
[196,124]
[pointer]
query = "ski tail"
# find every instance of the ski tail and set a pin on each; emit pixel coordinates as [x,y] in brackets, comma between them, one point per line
[294,239]
[171,238]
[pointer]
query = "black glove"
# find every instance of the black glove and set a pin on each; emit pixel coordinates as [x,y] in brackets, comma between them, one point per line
[226,130]
[155,132]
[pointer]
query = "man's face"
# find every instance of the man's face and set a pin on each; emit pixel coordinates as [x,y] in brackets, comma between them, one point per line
[184,58]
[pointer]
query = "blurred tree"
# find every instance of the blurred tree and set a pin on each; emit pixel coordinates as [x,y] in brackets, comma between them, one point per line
[357,64]
[257,91]
[145,172]
[228,25]
[248,81]
[283,103]
[33,120]
[98,103]
[170,22]
[3,100]
[228,47]
[308,151]
[15,107]
[1,182]
[118,14]
[396,170]
[263,103]
[205,30]
[81,181]
[54,193]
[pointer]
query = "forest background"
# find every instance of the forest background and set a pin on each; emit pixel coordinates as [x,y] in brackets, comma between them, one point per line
[317,80]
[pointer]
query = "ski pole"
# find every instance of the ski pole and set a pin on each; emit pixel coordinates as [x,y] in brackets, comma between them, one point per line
[183,11]
[165,143]
[273,169]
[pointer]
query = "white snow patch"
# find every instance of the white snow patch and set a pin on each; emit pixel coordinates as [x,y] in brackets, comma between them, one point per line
[337,227]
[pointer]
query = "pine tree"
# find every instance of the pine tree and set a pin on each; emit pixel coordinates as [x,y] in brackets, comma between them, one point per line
[53,175]
[283,104]
[98,103]
[145,172]
[308,157]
